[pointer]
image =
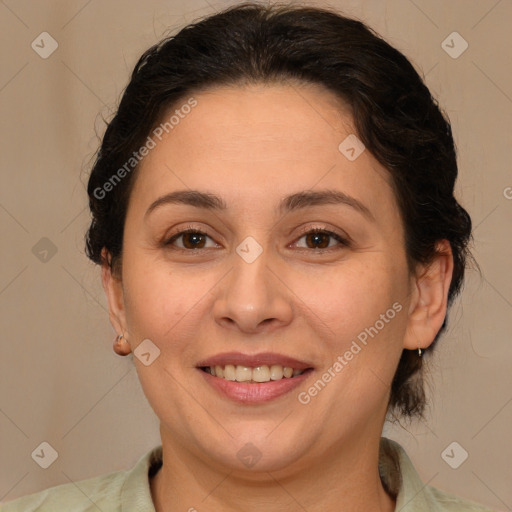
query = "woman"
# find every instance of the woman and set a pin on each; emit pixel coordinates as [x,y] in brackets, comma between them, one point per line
[274,217]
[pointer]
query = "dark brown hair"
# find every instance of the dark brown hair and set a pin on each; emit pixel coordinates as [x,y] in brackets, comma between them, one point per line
[394,113]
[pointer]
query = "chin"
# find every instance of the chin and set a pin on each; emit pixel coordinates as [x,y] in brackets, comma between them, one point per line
[261,452]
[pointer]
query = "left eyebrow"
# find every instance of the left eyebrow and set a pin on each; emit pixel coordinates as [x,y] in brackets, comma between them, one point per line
[313,198]
[290,203]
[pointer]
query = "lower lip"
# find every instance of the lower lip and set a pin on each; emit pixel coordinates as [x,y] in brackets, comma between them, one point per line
[255,393]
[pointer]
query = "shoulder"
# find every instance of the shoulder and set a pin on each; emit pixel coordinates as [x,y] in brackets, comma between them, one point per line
[412,495]
[102,492]
[105,492]
[451,503]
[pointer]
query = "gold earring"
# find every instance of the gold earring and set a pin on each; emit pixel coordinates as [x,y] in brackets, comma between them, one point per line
[119,347]
[419,351]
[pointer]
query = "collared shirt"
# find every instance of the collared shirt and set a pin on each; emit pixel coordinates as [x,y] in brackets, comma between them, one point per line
[129,491]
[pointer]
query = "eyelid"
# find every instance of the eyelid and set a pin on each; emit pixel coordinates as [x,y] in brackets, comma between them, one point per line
[343,239]
[322,228]
[183,231]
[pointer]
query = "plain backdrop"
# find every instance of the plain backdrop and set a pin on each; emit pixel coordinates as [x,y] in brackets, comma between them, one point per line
[60,381]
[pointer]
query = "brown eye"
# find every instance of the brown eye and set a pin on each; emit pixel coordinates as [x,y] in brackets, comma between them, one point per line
[191,239]
[321,239]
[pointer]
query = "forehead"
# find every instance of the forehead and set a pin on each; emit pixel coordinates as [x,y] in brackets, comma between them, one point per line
[266,121]
[260,141]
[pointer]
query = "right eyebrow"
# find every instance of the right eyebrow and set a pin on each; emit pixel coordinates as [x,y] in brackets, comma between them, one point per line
[191,198]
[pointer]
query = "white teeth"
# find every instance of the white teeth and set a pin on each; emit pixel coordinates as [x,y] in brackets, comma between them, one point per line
[243,374]
[287,372]
[276,372]
[229,372]
[262,373]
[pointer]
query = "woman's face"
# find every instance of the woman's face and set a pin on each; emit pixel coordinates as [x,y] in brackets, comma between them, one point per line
[251,288]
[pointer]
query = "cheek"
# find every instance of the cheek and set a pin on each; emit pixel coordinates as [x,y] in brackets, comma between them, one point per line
[365,308]
[356,294]
[158,300]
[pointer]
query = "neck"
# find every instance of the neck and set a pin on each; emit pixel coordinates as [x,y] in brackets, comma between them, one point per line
[348,476]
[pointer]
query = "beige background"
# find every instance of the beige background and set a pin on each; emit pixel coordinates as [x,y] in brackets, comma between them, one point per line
[60,381]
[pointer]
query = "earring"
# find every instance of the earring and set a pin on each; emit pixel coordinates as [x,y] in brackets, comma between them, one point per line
[419,351]
[122,349]
[120,338]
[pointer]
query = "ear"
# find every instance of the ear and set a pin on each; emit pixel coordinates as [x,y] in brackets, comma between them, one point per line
[112,285]
[429,302]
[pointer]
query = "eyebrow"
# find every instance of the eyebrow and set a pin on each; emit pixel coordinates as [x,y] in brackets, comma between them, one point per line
[290,203]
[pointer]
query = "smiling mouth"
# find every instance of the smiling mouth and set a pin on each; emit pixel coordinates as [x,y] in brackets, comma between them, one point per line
[253,375]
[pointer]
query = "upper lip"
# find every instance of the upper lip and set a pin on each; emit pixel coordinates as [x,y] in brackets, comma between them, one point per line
[248,360]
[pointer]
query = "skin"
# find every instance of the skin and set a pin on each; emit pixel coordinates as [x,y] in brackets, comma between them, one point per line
[252,146]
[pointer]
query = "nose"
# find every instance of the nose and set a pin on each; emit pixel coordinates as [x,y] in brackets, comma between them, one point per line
[252,298]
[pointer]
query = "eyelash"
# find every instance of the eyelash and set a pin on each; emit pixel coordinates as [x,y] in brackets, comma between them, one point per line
[343,242]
